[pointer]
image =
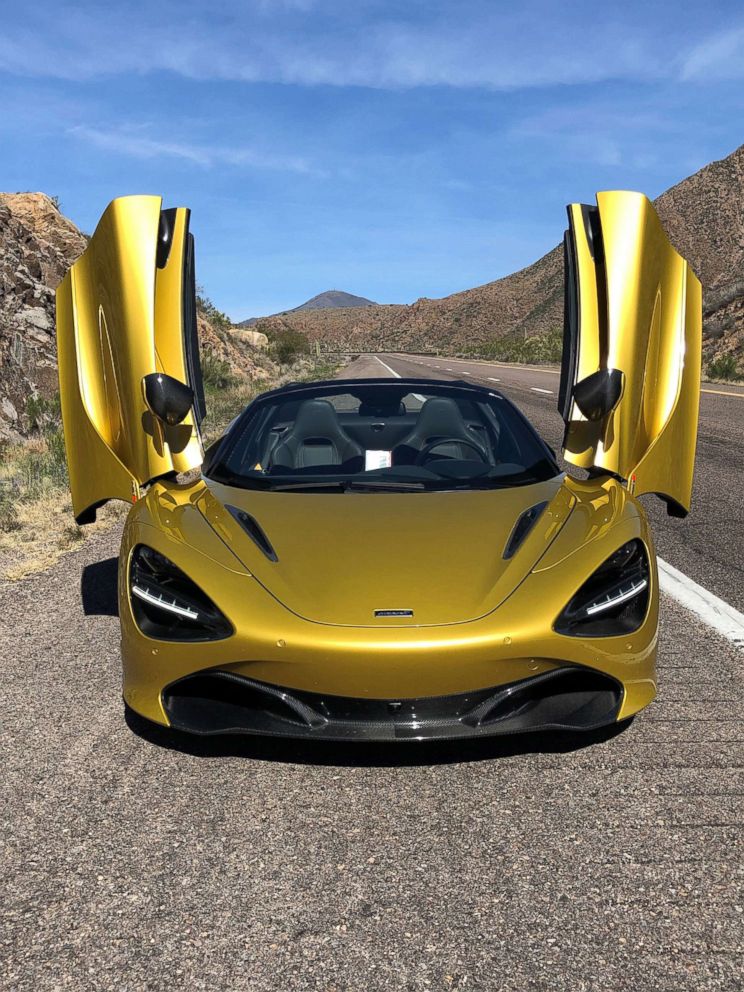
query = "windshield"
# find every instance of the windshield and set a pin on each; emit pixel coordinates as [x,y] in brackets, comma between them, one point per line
[380,435]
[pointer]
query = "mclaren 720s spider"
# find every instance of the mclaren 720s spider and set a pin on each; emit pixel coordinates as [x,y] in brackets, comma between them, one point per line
[383,559]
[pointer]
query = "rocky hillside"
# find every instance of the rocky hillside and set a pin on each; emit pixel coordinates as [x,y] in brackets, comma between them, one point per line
[331,299]
[703,214]
[37,246]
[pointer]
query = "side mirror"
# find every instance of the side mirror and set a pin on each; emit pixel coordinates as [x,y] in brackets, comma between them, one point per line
[598,394]
[167,399]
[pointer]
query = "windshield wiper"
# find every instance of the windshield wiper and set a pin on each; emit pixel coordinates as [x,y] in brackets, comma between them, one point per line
[307,485]
[383,485]
[350,485]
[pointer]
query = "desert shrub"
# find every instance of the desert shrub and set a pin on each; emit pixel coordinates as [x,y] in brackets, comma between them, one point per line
[321,370]
[288,345]
[216,372]
[209,311]
[42,465]
[8,513]
[224,405]
[43,413]
[724,367]
[532,350]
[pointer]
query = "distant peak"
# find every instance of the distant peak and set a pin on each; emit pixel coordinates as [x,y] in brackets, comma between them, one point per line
[334,298]
[330,299]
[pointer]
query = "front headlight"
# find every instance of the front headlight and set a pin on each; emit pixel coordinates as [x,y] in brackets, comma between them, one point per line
[167,605]
[614,600]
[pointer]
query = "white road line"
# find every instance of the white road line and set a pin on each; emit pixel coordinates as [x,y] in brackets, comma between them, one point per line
[465,373]
[527,368]
[713,611]
[397,375]
[536,389]
[491,379]
[447,368]
[391,371]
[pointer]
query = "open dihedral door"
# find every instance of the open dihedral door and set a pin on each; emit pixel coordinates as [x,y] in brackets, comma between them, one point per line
[630,380]
[126,310]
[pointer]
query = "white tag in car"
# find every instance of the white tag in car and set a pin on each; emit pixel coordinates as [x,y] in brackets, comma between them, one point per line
[377,459]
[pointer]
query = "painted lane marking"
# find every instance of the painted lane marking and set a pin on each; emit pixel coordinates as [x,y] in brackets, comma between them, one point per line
[527,368]
[722,392]
[391,371]
[397,375]
[465,373]
[536,389]
[492,379]
[715,612]
[544,371]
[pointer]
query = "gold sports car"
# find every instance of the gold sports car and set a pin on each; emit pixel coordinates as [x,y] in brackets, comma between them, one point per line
[383,559]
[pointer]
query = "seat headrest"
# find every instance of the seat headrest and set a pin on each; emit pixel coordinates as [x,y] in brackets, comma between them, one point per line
[316,418]
[441,417]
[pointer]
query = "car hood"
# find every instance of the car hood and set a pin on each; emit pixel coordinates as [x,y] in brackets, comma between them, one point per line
[342,556]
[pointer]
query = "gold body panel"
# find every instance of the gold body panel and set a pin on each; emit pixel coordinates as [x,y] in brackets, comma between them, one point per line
[307,621]
[640,311]
[500,637]
[119,318]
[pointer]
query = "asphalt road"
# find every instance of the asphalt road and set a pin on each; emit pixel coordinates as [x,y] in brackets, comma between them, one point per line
[136,860]
[709,544]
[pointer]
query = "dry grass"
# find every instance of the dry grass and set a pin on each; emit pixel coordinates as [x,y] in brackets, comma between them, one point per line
[44,531]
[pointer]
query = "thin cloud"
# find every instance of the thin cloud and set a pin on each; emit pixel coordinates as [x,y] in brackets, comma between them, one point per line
[720,56]
[135,143]
[299,43]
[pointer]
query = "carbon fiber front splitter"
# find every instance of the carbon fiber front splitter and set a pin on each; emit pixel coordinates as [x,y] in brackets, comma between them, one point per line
[220,702]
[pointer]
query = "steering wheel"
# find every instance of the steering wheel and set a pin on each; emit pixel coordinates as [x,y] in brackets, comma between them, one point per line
[438,442]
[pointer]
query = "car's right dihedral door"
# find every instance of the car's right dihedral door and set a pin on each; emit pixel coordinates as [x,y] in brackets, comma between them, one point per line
[630,381]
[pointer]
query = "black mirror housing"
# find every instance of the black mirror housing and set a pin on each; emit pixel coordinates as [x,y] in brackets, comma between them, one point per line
[167,399]
[598,394]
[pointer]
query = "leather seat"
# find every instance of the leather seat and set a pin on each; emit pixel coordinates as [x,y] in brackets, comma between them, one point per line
[316,438]
[440,417]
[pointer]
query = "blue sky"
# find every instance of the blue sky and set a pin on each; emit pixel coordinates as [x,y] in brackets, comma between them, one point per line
[393,150]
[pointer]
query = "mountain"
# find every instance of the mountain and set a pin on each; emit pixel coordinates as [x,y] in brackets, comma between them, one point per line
[37,246]
[331,299]
[703,215]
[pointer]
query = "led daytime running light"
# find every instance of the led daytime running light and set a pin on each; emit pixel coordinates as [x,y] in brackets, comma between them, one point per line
[622,596]
[163,604]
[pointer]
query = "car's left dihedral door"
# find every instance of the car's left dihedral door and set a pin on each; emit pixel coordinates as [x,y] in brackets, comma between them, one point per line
[126,309]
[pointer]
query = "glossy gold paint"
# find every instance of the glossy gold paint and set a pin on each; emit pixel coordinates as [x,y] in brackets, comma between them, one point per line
[397,562]
[307,621]
[512,638]
[640,311]
[118,319]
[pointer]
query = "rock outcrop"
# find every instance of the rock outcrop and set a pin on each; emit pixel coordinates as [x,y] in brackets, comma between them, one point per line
[37,246]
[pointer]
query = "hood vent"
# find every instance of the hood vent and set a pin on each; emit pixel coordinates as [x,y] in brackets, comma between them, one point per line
[254,530]
[522,528]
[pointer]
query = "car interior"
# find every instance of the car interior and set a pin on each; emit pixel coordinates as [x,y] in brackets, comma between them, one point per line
[448,430]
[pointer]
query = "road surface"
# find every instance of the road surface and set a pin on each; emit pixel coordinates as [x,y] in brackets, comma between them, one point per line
[139,860]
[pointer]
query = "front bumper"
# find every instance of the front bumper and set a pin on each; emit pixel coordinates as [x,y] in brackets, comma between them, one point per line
[220,702]
[355,672]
